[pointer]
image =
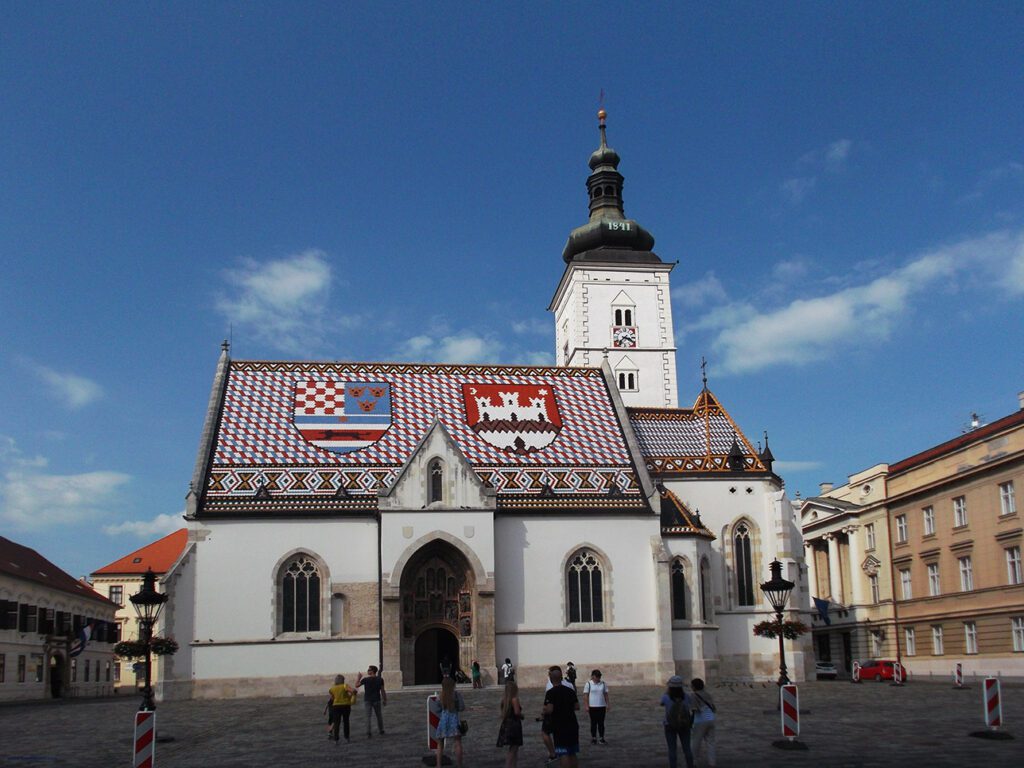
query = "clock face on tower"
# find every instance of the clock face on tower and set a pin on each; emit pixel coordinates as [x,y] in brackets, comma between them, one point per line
[623,335]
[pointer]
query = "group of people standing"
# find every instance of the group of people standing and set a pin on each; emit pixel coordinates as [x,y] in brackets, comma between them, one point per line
[688,718]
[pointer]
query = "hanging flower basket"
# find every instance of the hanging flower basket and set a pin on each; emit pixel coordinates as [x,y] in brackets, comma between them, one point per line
[136,649]
[791,630]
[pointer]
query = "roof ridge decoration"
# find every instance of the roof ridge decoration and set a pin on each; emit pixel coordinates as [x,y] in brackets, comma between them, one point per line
[694,440]
[310,366]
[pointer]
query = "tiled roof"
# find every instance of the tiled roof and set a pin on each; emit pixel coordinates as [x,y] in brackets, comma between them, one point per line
[24,563]
[962,441]
[160,556]
[677,519]
[292,430]
[691,440]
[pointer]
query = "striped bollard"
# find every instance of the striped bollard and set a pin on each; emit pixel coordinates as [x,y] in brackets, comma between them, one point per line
[993,704]
[145,739]
[433,719]
[897,674]
[993,708]
[855,673]
[958,675]
[789,706]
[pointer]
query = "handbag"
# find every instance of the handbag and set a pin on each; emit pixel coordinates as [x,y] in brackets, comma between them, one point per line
[463,727]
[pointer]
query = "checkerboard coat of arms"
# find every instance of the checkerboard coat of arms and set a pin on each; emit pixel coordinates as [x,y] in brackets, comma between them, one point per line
[518,418]
[342,416]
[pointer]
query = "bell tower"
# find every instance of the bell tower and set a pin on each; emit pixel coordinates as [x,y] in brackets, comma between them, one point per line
[614,295]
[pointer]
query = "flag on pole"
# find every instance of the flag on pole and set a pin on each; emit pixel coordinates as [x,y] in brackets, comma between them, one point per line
[822,606]
[84,635]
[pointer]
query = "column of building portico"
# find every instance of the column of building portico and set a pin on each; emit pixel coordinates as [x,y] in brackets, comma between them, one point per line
[835,574]
[854,551]
[812,569]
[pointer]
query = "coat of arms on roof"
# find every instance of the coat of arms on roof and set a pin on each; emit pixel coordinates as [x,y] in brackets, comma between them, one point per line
[518,418]
[342,416]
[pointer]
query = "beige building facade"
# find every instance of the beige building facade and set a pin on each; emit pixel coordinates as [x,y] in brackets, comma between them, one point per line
[921,559]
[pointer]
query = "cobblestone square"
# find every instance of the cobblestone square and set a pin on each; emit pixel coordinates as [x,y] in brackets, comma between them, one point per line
[923,723]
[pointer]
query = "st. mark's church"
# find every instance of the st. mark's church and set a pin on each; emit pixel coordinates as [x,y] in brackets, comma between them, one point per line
[347,514]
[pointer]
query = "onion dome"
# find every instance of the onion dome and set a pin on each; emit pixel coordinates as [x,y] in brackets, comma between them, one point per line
[609,236]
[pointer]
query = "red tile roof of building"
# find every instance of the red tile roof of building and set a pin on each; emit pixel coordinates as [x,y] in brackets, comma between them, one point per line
[24,563]
[160,556]
[961,441]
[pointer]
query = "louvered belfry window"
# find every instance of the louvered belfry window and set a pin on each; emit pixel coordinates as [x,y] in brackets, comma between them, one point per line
[300,596]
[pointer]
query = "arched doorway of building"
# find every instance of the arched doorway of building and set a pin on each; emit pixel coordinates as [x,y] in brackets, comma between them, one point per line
[434,647]
[56,676]
[437,609]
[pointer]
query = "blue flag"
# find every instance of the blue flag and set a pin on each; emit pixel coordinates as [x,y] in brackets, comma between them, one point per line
[84,635]
[822,606]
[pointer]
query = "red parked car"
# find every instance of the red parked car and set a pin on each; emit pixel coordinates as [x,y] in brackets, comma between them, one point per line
[881,669]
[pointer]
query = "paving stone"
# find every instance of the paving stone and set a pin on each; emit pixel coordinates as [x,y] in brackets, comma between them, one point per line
[845,725]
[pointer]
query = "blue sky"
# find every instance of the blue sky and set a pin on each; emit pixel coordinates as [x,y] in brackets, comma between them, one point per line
[842,185]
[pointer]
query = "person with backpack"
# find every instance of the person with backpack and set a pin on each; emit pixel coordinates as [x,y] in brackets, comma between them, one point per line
[703,722]
[678,720]
[508,672]
[570,674]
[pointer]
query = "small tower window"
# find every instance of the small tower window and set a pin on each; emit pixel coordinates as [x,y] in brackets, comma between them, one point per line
[627,315]
[436,480]
[627,381]
[618,317]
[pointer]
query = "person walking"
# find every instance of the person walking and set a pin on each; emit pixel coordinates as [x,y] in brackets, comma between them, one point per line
[475,672]
[508,671]
[595,704]
[510,734]
[703,722]
[342,698]
[560,705]
[677,720]
[449,724]
[374,697]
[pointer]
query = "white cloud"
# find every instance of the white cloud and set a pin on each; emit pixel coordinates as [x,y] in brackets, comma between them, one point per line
[71,390]
[706,290]
[797,188]
[532,325]
[790,270]
[1008,173]
[836,154]
[462,347]
[811,329]
[161,525]
[283,303]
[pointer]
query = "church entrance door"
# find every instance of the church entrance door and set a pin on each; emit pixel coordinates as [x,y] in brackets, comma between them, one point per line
[434,647]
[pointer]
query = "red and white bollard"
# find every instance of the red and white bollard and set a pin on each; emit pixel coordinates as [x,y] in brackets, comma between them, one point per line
[433,720]
[790,708]
[145,739]
[855,673]
[958,675]
[993,704]
[897,674]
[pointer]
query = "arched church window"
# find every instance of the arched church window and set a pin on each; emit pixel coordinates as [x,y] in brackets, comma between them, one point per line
[744,566]
[705,591]
[436,473]
[679,596]
[300,595]
[584,588]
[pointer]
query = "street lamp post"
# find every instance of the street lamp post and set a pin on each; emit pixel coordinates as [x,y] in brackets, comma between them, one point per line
[777,590]
[148,603]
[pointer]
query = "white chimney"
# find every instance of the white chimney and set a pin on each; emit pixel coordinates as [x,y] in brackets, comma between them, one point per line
[1020,399]
[824,487]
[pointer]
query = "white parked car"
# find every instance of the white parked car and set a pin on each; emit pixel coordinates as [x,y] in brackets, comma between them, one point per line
[825,670]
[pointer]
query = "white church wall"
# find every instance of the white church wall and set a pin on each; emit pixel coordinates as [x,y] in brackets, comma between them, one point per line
[296,668]
[174,673]
[530,605]
[236,558]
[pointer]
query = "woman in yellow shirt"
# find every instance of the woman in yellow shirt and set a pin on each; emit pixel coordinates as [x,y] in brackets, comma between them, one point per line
[342,698]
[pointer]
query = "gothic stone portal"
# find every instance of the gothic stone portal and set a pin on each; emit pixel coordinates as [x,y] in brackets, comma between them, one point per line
[437,610]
